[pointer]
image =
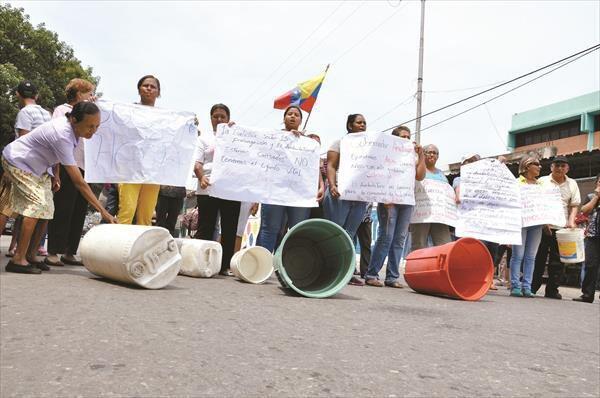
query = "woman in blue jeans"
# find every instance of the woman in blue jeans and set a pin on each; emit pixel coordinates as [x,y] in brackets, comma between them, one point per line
[348,214]
[273,217]
[393,228]
[529,170]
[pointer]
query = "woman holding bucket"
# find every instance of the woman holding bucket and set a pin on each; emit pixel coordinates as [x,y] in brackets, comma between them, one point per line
[272,217]
[348,214]
[529,170]
[26,162]
[210,207]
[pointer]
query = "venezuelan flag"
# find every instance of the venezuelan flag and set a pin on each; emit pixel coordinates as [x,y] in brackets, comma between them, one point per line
[303,95]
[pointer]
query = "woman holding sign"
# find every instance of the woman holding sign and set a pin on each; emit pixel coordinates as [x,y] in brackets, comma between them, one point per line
[529,170]
[139,200]
[273,217]
[210,207]
[348,214]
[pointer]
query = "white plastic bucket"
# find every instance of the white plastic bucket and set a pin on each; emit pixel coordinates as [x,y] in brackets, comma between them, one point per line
[570,245]
[135,254]
[253,265]
[200,258]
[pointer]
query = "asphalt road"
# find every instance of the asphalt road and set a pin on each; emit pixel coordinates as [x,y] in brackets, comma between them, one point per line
[69,333]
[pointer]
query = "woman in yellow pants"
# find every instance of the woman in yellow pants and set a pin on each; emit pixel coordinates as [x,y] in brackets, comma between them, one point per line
[139,200]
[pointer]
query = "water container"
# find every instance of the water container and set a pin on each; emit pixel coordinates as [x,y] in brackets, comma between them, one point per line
[252,265]
[461,269]
[570,245]
[315,259]
[135,254]
[200,258]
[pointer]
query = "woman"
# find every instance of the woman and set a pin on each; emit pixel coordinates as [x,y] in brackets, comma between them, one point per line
[529,170]
[139,200]
[70,207]
[26,162]
[591,207]
[210,207]
[394,220]
[348,214]
[273,217]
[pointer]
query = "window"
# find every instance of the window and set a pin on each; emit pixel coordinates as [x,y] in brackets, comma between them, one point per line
[550,133]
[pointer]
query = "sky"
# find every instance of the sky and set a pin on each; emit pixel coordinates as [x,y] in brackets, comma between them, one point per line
[245,54]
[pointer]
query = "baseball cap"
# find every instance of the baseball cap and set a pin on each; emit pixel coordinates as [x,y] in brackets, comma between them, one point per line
[560,159]
[26,89]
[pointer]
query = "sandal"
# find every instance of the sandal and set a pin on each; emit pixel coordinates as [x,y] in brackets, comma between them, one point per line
[22,269]
[395,284]
[54,264]
[70,262]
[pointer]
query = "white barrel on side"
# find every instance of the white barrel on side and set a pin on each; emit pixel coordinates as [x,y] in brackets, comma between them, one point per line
[200,258]
[136,254]
[252,265]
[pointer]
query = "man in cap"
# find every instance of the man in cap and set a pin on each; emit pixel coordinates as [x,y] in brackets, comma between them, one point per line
[31,114]
[569,192]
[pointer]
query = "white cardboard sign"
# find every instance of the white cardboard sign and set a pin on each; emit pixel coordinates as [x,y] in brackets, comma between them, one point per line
[435,202]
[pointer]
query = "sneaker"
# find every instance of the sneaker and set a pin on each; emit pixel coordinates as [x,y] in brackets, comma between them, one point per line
[527,293]
[356,281]
[374,282]
[516,292]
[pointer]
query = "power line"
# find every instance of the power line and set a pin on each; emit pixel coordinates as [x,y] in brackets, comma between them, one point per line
[305,55]
[514,88]
[462,89]
[407,100]
[498,86]
[291,54]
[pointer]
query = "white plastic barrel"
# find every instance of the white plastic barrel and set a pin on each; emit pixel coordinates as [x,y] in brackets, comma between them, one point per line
[200,258]
[253,265]
[135,254]
[570,245]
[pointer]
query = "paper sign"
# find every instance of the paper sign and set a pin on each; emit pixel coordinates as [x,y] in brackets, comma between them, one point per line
[490,203]
[265,166]
[140,144]
[377,167]
[541,205]
[435,202]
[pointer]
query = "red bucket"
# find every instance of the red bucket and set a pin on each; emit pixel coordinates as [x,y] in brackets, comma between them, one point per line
[463,269]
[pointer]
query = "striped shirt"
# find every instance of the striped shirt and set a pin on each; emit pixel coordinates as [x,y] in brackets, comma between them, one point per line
[30,117]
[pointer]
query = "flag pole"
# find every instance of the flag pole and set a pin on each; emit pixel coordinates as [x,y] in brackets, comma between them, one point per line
[308,117]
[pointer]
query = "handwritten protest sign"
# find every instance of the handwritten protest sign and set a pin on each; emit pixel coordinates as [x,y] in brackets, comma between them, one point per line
[435,202]
[490,203]
[140,144]
[377,167]
[273,167]
[541,205]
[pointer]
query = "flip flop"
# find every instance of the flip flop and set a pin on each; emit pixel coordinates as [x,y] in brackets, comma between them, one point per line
[56,264]
[22,269]
[70,262]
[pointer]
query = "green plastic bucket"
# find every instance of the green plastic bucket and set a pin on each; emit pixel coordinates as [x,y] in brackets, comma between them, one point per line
[316,259]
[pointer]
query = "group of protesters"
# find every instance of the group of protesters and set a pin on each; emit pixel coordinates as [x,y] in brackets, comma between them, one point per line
[42,184]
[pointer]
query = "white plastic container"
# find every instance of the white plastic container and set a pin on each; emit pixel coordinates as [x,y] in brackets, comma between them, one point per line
[570,245]
[253,265]
[135,254]
[200,258]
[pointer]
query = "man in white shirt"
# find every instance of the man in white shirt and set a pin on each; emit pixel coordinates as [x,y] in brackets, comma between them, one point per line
[569,191]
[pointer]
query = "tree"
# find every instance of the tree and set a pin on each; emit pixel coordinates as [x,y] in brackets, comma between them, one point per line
[35,54]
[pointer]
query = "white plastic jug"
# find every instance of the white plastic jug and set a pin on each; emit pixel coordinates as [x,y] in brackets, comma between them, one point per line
[570,245]
[253,265]
[200,258]
[136,254]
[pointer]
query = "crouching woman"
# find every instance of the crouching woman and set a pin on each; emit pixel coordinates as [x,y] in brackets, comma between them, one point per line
[26,162]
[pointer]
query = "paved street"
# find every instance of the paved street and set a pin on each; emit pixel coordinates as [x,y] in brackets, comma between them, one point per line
[69,333]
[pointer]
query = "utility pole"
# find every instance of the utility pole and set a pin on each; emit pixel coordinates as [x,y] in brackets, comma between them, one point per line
[420,78]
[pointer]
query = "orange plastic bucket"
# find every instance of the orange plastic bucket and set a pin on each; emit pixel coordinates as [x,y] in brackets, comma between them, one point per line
[463,269]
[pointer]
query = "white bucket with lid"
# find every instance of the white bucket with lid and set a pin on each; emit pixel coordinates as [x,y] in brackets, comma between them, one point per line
[136,254]
[200,258]
[253,265]
[570,245]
